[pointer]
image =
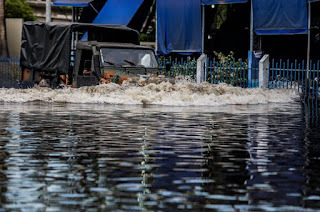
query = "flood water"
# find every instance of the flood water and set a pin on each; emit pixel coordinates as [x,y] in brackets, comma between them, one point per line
[58,156]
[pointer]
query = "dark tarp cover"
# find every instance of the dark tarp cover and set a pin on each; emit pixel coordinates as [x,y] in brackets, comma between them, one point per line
[210,2]
[273,17]
[118,12]
[47,46]
[178,26]
[72,3]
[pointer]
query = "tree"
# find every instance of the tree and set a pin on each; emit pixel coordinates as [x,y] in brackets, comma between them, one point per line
[19,9]
[3,42]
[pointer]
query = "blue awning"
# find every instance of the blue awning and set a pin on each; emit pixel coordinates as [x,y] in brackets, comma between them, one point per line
[118,12]
[274,17]
[72,3]
[210,2]
[178,26]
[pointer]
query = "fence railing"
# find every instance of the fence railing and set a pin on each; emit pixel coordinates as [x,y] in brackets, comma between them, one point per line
[282,73]
[10,72]
[296,75]
[233,72]
[178,67]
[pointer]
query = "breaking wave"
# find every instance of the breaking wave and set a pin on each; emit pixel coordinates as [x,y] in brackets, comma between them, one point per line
[153,92]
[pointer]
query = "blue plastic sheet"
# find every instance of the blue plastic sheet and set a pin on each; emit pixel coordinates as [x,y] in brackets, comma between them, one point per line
[118,12]
[72,3]
[210,2]
[179,26]
[273,17]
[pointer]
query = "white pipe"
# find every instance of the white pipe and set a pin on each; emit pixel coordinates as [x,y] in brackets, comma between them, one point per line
[48,11]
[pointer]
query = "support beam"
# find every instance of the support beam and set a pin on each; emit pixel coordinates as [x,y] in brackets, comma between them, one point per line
[48,11]
[251,28]
[309,32]
[203,27]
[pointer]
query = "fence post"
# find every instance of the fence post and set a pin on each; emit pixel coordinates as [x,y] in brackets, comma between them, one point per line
[264,71]
[201,73]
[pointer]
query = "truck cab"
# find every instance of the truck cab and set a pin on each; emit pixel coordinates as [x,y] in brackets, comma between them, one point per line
[112,62]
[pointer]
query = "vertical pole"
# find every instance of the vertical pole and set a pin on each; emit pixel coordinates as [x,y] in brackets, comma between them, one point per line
[203,27]
[308,51]
[251,28]
[72,34]
[73,14]
[48,11]
[156,29]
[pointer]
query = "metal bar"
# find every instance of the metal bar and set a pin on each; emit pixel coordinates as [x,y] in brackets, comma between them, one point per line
[295,73]
[241,81]
[156,32]
[305,83]
[210,69]
[214,69]
[203,27]
[313,85]
[220,72]
[287,77]
[299,77]
[280,71]
[283,73]
[226,71]
[308,49]
[251,28]
[188,66]
[291,75]
[302,76]
[272,73]
[317,93]
[234,72]
[309,85]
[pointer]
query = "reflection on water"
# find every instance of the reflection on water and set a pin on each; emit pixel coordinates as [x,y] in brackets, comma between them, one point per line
[100,157]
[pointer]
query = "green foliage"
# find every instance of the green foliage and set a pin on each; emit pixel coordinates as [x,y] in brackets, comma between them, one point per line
[19,9]
[146,37]
[228,70]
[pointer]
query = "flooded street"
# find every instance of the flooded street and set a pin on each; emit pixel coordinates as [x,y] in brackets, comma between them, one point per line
[62,156]
[157,146]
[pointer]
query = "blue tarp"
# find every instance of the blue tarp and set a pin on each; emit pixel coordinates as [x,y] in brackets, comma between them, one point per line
[210,2]
[72,3]
[178,26]
[118,12]
[273,17]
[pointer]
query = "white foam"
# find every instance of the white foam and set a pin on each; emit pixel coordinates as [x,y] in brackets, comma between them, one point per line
[153,92]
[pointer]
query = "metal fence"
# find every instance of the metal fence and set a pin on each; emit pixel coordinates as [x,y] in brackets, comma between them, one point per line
[10,72]
[178,67]
[283,73]
[296,75]
[234,72]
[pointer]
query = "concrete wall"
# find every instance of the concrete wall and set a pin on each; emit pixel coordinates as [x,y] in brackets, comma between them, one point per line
[14,32]
[58,14]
